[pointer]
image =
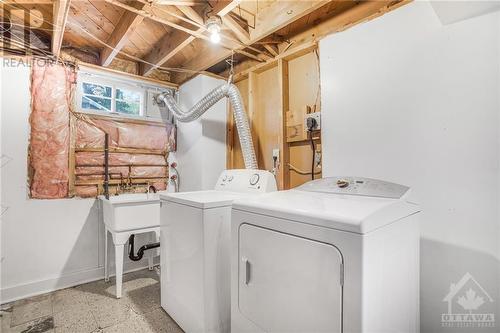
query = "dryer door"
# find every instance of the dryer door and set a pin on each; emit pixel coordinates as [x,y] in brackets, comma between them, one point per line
[287,283]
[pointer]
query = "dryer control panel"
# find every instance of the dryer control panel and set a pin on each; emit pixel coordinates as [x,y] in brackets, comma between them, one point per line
[356,186]
[246,180]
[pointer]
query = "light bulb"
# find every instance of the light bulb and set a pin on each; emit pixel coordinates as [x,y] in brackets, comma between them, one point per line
[213,27]
[215,37]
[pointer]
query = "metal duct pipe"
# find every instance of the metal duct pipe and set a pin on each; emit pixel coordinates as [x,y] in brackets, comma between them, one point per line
[230,91]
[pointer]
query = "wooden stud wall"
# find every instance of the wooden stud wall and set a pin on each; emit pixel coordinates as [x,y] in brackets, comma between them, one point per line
[277,97]
[140,184]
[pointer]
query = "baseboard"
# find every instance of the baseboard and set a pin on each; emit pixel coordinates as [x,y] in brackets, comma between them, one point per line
[15,293]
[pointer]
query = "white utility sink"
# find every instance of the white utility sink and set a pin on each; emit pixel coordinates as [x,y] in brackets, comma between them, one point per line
[133,211]
[125,215]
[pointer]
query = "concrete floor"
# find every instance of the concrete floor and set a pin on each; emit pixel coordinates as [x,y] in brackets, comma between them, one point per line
[92,307]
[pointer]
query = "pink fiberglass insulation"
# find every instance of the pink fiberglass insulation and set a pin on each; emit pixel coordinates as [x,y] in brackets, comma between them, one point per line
[117,159]
[49,142]
[143,136]
[148,172]
[86,171]
[52,90]
[90,132]
[86,191]
[160,186]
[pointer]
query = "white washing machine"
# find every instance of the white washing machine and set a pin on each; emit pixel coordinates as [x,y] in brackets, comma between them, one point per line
[334,255]
[195,229]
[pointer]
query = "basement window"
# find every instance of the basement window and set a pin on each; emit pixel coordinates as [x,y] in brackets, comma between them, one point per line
[109,97]
[107,94]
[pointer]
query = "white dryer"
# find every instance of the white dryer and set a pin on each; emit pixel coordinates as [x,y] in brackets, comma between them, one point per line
[195,232]
[334,255]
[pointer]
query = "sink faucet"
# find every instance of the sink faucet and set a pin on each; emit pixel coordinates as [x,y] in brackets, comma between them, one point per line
[151,188]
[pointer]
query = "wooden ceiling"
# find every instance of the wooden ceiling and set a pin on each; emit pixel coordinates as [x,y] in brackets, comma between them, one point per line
[168,39]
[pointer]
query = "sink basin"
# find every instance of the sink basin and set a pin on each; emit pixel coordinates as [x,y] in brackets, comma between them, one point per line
[126,212]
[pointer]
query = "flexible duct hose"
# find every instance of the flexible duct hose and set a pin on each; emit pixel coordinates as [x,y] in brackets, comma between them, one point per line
[230,91]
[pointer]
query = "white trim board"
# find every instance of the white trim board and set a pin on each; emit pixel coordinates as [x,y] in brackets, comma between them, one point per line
[35,288]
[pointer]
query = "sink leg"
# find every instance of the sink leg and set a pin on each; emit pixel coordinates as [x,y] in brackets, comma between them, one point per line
[119,268]
[151,253]
[106,268]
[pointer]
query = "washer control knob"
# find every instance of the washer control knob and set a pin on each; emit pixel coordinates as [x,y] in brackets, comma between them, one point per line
[254,179]
[342,183]
[224,178]
[230,178]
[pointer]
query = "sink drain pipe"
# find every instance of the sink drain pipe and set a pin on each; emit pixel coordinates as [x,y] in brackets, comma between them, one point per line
[140,253]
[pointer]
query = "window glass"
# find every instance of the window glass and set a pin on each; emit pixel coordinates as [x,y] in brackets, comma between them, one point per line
[96,90]
[96,97]
[96,103]
[128,101]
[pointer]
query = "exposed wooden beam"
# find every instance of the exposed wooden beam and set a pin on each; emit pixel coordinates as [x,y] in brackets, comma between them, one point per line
[191,14]
[123,30]
[252,56]
[237,29]
[165,49]
[60,16]
[281,14]
[151,16]
[179,2]
[306,41]
[272,49]
[273,18]
[222,7]
[28,2]
[172,44]
[226,43]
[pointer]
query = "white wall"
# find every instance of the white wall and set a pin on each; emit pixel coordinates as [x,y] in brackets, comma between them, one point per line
[410,100]
[201,144]
[45,244]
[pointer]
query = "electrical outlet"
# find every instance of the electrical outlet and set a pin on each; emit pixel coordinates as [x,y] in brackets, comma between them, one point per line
[276,154]
[317,117]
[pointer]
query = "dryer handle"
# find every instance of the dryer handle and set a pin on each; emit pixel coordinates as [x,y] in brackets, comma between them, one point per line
[246,262]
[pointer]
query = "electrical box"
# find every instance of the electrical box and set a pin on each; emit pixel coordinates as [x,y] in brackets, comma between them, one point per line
[317,118]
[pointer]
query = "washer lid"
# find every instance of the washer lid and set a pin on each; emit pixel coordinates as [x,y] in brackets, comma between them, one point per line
[354,213]
[203,199]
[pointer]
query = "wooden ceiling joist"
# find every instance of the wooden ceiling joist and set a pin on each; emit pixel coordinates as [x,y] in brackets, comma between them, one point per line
[223,7]
[276,16]
[152,17]
[125,27]
[180,42]
[179,2]
[169,46]
[60,16]
[28,2]
[191,14]
[272,49]
[237,29]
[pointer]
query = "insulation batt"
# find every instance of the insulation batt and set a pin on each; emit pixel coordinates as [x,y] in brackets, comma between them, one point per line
[86,171]
[117,159]
[92,136]
[52,89]
[145,172]
[49,119]
[86,191]
[141,136]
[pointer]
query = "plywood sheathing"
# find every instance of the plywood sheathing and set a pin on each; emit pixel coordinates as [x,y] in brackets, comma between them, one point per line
[278,97]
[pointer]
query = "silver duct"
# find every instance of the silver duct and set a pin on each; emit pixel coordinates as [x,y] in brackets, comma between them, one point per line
[230,91]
